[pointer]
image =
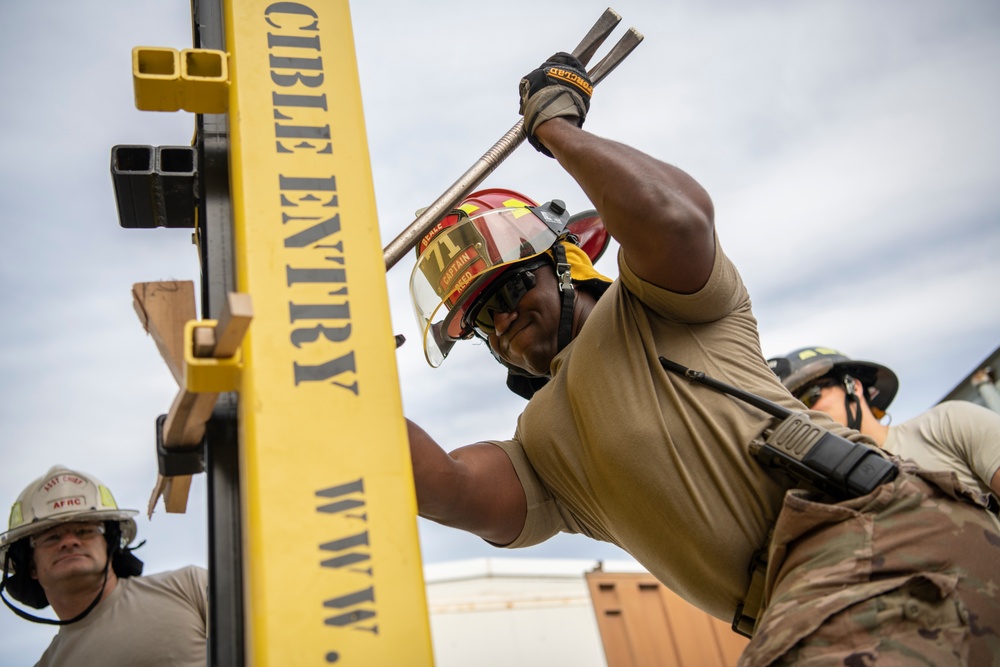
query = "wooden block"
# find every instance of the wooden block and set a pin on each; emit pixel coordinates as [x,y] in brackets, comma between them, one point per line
[185,423]
[163,309]
[176,495]
[158,489]
[174,491]
[233,324]
[204,342]
[190,411]
[222,341]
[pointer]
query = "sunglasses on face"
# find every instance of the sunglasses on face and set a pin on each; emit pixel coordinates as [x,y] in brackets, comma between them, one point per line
[82,531]
[811,393]
[503,299]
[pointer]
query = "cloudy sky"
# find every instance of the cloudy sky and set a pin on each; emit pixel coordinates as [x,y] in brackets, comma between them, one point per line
[851,148]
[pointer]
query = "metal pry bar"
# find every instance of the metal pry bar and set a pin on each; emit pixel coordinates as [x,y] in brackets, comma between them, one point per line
[514,137]
[616,55]
[592,41]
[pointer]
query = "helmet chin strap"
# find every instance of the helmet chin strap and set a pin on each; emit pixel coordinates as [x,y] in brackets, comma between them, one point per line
[49,621]
[852,404]
[567,293]
[520,381]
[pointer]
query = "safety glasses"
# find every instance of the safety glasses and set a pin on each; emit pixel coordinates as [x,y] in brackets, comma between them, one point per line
[503,298]
[811,393]
[54,537]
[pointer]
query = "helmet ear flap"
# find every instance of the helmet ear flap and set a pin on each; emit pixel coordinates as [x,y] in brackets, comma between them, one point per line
[124,563]
[524,386]
[22,586]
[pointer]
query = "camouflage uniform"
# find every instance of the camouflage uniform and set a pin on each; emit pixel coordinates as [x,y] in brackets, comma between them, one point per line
[907,575]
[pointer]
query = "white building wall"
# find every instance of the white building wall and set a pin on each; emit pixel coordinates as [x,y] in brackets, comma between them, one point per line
[514,612]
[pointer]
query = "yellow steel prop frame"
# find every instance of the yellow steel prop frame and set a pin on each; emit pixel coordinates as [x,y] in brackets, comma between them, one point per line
[333,572]
[331,567]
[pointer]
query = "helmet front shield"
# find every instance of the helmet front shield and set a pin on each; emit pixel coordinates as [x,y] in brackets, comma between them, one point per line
[460,260]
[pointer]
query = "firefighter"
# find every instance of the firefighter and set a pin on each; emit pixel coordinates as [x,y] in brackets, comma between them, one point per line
[613,446]
[68,546]
[954,435]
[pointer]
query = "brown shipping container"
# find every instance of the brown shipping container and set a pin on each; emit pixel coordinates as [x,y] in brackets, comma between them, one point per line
[643,624]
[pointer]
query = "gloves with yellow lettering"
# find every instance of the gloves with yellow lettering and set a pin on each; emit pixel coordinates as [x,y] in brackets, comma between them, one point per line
[560,88]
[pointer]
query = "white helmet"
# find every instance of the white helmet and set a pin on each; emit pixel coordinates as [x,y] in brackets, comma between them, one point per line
[60,496]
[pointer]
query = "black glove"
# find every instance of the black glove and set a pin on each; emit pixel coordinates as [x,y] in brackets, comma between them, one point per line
[560,88]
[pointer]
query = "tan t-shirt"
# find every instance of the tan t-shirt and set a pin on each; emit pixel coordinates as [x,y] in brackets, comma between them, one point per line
[152,621]
[954,435]
[616,448]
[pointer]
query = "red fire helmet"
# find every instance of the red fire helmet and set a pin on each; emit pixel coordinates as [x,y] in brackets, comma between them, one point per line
[490,232]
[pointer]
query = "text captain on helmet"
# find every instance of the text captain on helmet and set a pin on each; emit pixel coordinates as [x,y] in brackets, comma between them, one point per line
[613,446]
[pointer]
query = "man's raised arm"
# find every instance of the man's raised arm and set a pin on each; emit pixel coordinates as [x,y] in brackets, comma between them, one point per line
[662,217]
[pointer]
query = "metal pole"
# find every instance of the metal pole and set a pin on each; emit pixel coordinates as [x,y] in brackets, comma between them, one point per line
[513,138]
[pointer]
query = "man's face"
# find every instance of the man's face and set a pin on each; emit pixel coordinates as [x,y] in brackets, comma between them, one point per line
[68,552]
[528,337]
[826,395]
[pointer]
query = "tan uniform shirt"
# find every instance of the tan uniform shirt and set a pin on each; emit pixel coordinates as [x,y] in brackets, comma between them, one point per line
[955,435]
[152,621]
[618,449]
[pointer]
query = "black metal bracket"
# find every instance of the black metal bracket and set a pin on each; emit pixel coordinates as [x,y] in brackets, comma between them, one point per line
[178,460]
[155,186]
